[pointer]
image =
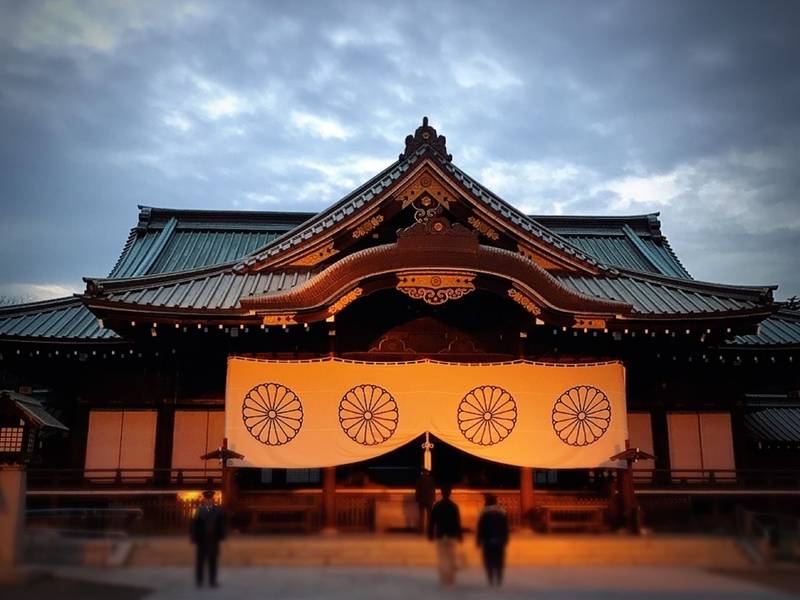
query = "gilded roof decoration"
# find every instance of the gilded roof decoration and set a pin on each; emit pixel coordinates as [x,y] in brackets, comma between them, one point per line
[348,298]
[436,288]
[427,190]
[525,302]
[484,228]
[367,226]
[425,135]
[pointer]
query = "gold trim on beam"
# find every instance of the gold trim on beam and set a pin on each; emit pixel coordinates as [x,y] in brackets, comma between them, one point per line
[436,288]
[282,319]
[484,228]
[345,300]
[589,323]
[316,257]
[524,301]
[367,226]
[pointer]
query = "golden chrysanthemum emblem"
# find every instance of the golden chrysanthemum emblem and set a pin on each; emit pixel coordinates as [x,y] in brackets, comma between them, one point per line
[581,415]
[487,415]
[368,414]
[272,413]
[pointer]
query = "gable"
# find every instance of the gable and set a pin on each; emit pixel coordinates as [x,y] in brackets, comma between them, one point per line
[423,187]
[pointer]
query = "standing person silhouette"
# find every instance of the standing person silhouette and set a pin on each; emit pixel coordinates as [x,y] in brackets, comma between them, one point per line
[492,537]
[445,527]
[207,531]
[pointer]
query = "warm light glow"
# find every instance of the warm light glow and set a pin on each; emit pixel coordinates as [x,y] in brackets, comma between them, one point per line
[196,495]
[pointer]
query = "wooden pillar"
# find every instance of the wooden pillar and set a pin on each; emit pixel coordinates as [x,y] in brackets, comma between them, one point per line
[165,424]
[526,495]
[658,419]
[329,499]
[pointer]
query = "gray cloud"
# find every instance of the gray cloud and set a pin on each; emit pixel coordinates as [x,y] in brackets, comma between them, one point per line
[684,107]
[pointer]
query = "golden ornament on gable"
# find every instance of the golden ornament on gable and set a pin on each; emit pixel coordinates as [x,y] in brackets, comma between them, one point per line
[430,186]
[436,288]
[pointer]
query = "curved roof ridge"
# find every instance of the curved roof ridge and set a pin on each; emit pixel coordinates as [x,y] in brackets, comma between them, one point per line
[297,232]
[538,230]
[695,284]
[11,309]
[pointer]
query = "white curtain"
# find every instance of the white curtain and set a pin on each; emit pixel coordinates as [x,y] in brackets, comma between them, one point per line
[296,414]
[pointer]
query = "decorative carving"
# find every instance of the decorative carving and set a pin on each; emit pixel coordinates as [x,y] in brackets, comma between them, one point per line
[426,135]
[425,209]
[281,319]
[367,226]
[427,194]
[486,229]
[345,300]
[581,415]
[487,415]
[436,288]
[316,257]
[368,414]
[524,301]
[584,323]
[272,413]
[392,343]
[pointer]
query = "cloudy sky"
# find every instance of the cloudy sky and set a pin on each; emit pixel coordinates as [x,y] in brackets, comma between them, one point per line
[687,108]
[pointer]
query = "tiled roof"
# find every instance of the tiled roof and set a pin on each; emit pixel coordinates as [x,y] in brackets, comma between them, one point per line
[214,290]
[634,243]
[774,424]
[653,295]
[781,329]
[33,410]
[221,289]
[64,319]
[518,218]
[168,241]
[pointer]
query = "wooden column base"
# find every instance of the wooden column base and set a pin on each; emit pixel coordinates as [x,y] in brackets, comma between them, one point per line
[526,503]
[329,500]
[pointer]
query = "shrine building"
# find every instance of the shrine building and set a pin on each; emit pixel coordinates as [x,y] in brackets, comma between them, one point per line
[420,321]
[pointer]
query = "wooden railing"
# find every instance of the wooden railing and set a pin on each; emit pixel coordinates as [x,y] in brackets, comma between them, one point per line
[87,479]
[754,479]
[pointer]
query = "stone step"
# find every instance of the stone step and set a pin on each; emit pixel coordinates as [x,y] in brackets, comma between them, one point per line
[408,550]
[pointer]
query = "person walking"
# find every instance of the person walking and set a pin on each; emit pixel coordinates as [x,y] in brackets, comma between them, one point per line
[425,495]
[207,531]
[492,538]
[444,526]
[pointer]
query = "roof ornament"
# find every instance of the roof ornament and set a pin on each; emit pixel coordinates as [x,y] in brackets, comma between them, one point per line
[426,135]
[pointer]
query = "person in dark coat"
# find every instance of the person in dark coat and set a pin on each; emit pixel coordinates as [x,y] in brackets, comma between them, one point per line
[492,538]
[445,527]
[207,531]
[425,495]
